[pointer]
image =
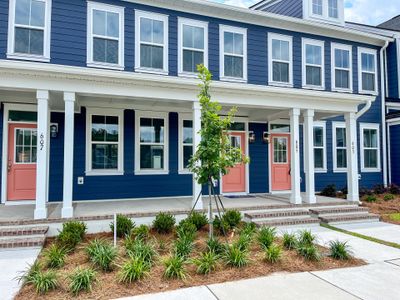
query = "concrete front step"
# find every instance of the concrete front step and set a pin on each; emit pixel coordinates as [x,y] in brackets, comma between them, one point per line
[338,210]
[287,222]
[349,218]
[22,241]
[276,214]
[23,231]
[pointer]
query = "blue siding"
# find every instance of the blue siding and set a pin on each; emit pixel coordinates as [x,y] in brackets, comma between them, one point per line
[291,8]
[395,153]
[258,153]
[393,75]
[3,28]
[57,159]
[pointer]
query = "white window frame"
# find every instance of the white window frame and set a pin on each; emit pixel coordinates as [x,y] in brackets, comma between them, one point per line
[309,14]
[349,48]
[46,35]
[156,115]
[238,30]
[286,38]
[336,125]
[376,127]
[322,8]
[194,23]
[154,16]
[305,42]
[373,52]
[321,124]
[91,6]
[337,9]
[104,112]
[183,117]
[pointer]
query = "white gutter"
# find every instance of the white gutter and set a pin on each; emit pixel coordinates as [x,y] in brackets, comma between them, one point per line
[383,112]
[366,107]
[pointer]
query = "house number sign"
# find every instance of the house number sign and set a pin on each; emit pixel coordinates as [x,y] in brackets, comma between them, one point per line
[41,141]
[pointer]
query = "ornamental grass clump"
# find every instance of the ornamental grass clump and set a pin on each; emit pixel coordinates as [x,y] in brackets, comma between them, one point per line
[175,267]
[102,254]
[273,253]
[388,197]
[44,281]
[55,256]
[29,273]
[235,256]
[72,233]
[81,280]
[244,241]
[306,246]
[164,223]
[339,250]
[206,263]
[133,270]
[124,226]
[186,229]
[141,232]
[266,236]
[183,246]
[249,229]
[214,245]
[137,248]
[289,241]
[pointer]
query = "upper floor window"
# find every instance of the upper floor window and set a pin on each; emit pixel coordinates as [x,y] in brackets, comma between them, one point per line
[370,147]
[367,76]
[333,11]
[193,45]
[320,146]
[330,11]
[105,36]
[233,53]
[280,59]
[317,7]
[151,32]
[29,29]
[313,64]
[342,68]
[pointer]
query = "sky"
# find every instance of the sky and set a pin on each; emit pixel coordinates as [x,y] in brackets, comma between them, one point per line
[371,12]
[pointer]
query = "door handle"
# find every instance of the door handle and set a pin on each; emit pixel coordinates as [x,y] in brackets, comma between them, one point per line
[9,165]
[290,171]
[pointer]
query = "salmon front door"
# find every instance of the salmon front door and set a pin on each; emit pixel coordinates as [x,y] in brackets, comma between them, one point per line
[280,162]
[235,180]
[21,164]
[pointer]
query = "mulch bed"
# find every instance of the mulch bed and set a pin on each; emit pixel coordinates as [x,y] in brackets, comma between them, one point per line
[108,287]
[384,208]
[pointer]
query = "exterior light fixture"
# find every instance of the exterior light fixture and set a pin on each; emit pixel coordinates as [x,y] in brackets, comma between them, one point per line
[53,130]
[266,137]
[252,137]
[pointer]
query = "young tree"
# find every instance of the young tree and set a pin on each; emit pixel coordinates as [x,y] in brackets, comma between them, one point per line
[215,154]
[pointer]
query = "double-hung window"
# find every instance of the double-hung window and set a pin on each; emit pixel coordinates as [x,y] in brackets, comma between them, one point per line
[104,148]
[185,141]
[317,8]
[280,59]
[367,77]
[29,30]
[370,147]
[320,146]
[151,34]
[342,79]
[105,36]
[193,45]
[233,53]
[151,143]
[333,9]
[339,146]
[313,64]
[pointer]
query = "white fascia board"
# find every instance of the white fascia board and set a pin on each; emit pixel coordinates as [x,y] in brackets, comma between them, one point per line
[240,14]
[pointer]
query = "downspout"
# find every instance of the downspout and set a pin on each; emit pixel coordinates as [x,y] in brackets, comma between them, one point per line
[383,113]
[366,107]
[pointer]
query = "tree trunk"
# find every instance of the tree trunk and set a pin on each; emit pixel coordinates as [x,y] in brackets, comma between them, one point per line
[210,214]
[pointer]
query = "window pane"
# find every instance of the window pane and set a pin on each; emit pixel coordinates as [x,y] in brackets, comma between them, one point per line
[151,157]
[34,155]
[238,44]
[158,32]
[104,156]
[98,128]
[151,57]
[145,30]
[29,41]
[151,130]
[280,50]
[187,36]
[340,137]
[370,138]
[36,42]
[368,82]
[187,155]
[38,13]
[342,58]
[112,129]
[370,158]
[27,137]
[313,76]
[318,158]
[19,137]
[317,7]
[22,8]
[99,50]
[191,59]
[112,52]
[228,42]
[342,79]
[233,66]
[21,40]
[341,160]
[112,24]
[280,72]
[313,54]
[333,8]
[318,137]
[368,62]
[198,36]
[187,134]
[99,22]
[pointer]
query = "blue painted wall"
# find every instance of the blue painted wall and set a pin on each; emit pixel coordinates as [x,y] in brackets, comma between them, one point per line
[392,72]
[3,28]
[395,153]
[291,8]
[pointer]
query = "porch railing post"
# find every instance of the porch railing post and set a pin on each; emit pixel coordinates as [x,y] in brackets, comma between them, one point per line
[295,197]
[352,157]
[196,141]
[69,102]
[309,155]
[43,149]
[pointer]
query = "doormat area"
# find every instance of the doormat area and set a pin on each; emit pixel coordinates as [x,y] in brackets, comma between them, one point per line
[239,196]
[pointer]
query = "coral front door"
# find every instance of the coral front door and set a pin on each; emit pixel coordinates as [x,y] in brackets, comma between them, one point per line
[280,162]
[235,180]
[21,164]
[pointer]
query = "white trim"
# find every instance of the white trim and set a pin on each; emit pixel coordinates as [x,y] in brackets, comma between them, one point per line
[183,117]
[156,115]
[90,36]
[362,50]
[104,112]
[46,35]
[193,23]
[398,60]
[236,30]
[285,38]
[139,14]
[349,48]
[318,43]
[374,126]
[321,124]
[334,146]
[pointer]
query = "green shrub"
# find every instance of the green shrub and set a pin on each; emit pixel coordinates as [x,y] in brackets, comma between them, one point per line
[75,226]
[82,280]
[101,254]
[44,281]
[198,219]
[141,232]
[236,257]
[186,229]
[249,228]
[206,263]
[72,233]
[232,217]
[388,197]
[289,240]
[183,246]
[55,256]
[339,250]
[214,245]
[329,191]
[124,226]
[175,267]
[164,223]
[137,248]
[221,226]
[244,241]
[29,273]
[370,198]
[273,253]
[394,189]
[134,269]
[266,236]
[306,238]
[309,252]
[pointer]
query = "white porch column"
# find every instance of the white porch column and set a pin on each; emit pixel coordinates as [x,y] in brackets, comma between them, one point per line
[295,197]
[42,164]
[196,141]
[69,102]
[352,157]
[309,155]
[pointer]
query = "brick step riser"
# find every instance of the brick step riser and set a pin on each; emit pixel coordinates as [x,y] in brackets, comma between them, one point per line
[339,211]
[287,223]
[12,233]
[349,219]
[275,215]
[21,244]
